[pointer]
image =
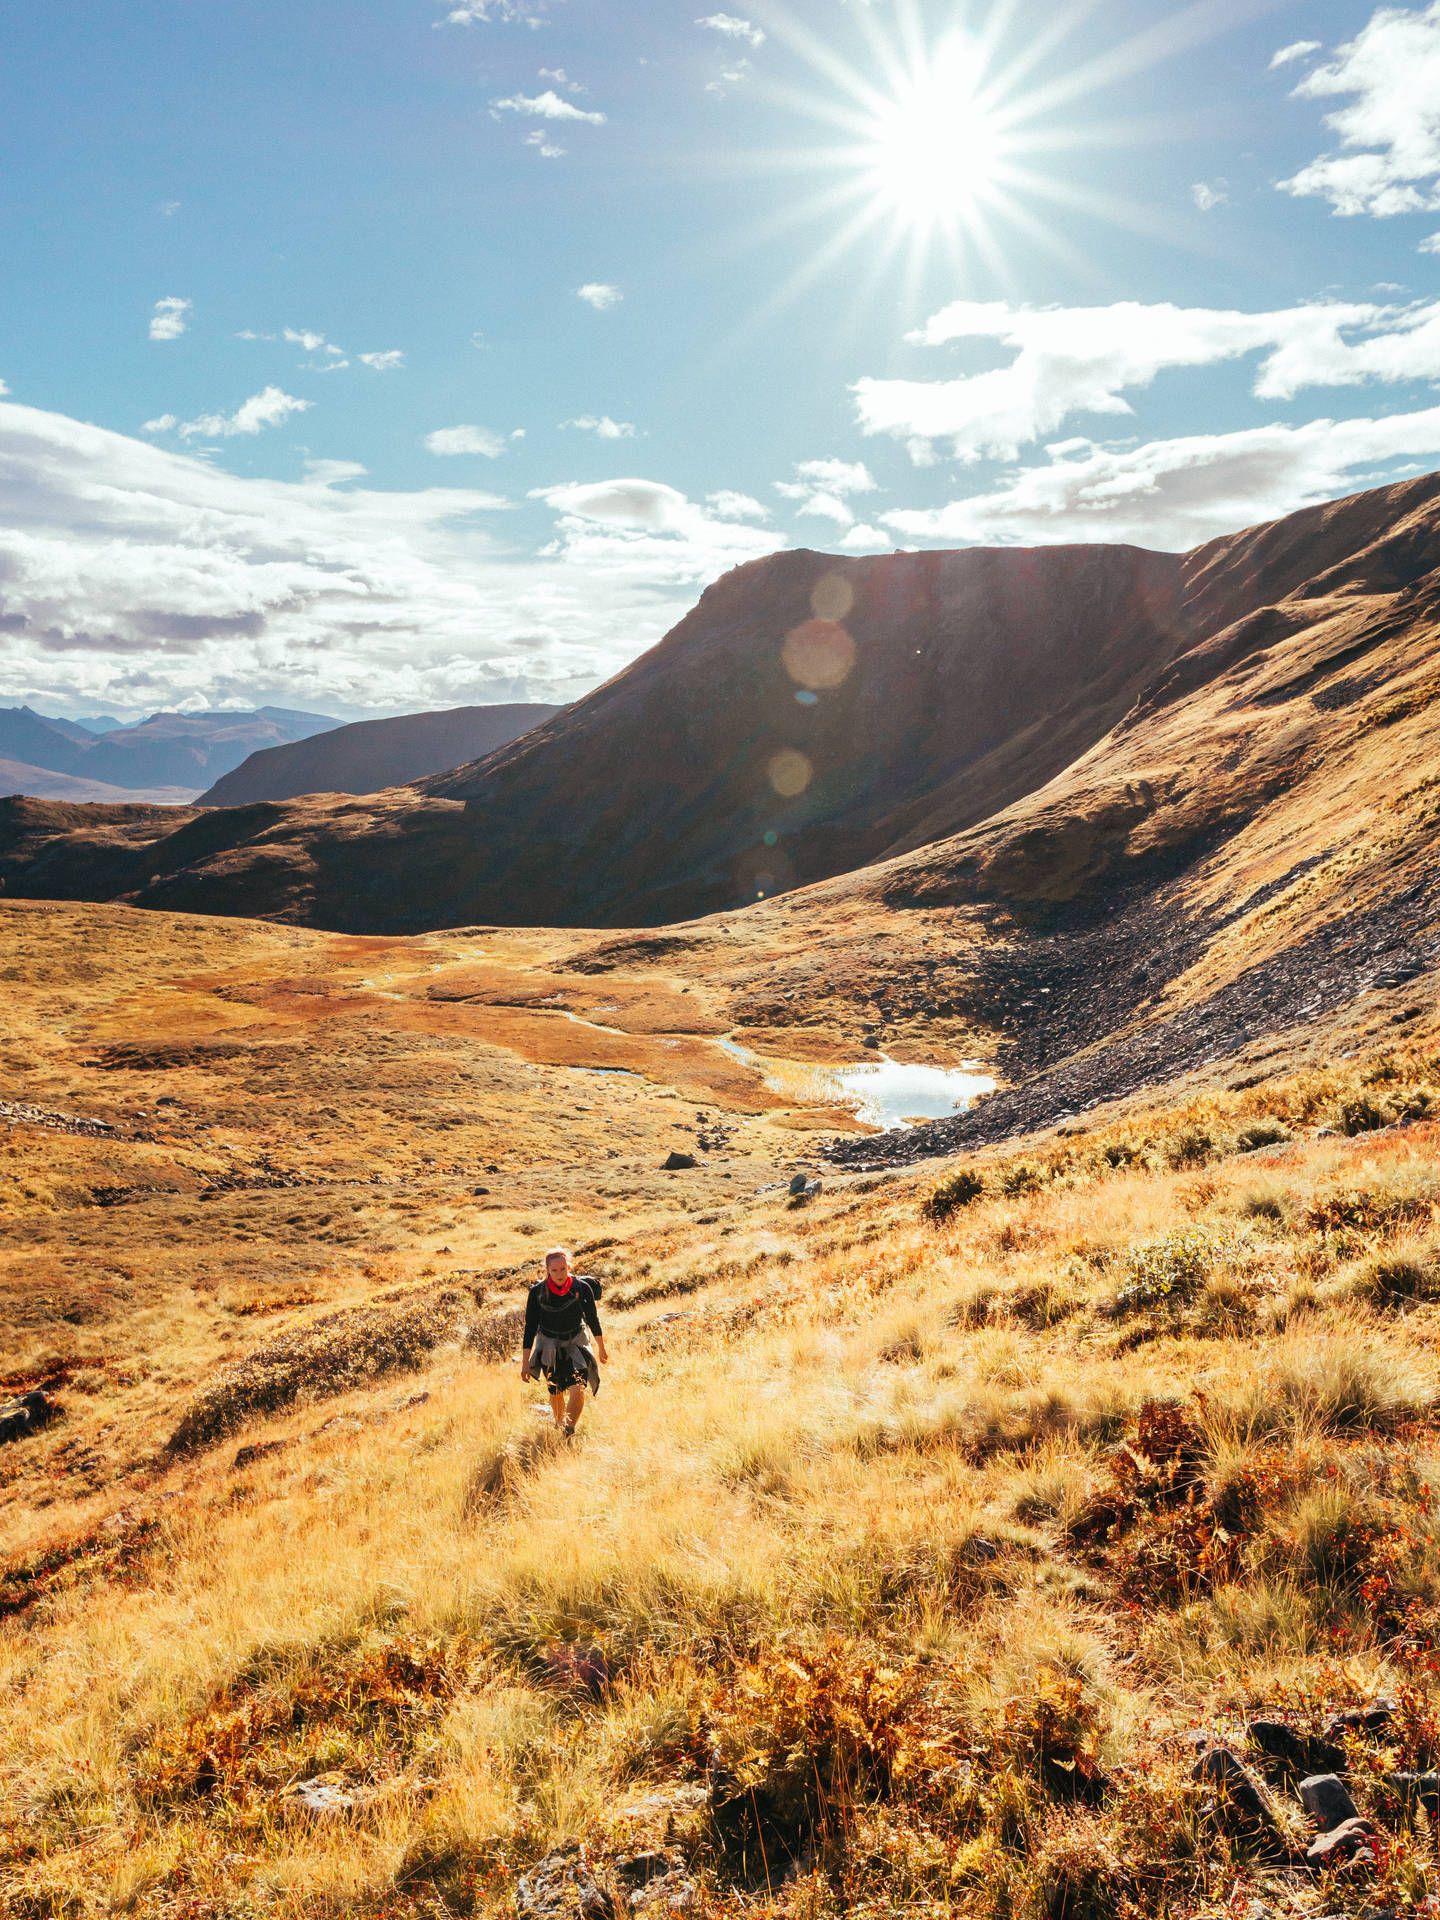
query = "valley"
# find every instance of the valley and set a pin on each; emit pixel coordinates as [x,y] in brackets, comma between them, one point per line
[998,1516]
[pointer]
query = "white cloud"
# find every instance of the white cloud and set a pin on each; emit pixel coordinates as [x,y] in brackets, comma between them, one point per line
[547,106]
[1176,493]
[602,426]
[302,337]
[137,576]
[733,28]
[1297,50]
[163,423]
[452,440]
[597,294]
[1077,360]
[168,321]
[737,506]
[1431,244]
[1390,132]
[545,145]
[643,528]
[269,408]
[1207,195]
[168,209]
[562,79]
[822,485]
[863,539]
[383,362]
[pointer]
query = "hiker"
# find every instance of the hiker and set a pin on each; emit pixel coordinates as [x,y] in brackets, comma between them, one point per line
[558,1311]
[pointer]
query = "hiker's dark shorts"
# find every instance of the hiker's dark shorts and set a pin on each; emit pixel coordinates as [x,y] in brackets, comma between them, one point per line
[561,1374]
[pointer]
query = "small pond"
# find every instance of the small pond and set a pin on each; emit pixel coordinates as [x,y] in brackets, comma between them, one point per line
[884,1092]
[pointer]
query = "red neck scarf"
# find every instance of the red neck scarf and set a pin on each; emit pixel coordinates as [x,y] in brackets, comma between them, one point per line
[569,1282]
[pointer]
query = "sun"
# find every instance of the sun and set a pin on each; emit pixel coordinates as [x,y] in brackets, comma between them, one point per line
[936,146]
[947,147]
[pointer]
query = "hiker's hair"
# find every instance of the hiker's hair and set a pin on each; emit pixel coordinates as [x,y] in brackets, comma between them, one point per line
[558,1253]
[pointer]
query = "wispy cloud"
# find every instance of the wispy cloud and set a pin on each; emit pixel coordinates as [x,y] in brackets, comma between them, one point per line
[1208,195]
[1390,131]
[453,440]
[162,423]
[169,320]
[733,27]
[546,106]
[269,408]
[1297,50]
[599,294]
[602,426]
[386,362]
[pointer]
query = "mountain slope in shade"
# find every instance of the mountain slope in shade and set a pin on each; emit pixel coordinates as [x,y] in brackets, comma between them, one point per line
[42,784]
[1002,725]
[371,754]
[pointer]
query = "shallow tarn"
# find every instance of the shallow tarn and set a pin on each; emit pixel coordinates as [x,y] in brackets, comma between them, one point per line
[883,1092]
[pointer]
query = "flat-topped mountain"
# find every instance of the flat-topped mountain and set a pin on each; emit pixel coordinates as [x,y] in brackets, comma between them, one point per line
[814,715]
[370,754]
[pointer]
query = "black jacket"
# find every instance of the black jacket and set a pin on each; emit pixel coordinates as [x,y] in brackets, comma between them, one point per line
[558,1317]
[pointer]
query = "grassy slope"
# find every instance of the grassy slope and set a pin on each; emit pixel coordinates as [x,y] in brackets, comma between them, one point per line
[846,1540]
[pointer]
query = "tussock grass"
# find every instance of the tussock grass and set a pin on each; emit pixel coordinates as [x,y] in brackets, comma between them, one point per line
[889,1541]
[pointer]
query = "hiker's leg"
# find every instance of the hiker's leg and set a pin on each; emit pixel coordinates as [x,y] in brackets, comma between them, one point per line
[575,1406]
[557,1407]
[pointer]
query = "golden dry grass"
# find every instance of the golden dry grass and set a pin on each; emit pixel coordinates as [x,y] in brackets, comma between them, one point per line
[846,1537]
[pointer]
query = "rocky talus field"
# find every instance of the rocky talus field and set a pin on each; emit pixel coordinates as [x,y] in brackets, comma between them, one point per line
[1028,1514]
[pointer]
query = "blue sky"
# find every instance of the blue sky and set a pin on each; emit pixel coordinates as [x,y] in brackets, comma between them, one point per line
[390,354]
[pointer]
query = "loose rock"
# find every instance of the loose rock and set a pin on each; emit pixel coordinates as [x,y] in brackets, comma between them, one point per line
[563,1884]
[678,1162]
[1327,1801]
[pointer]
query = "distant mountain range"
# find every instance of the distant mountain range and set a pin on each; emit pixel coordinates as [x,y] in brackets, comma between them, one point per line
[184,751]
[371,754]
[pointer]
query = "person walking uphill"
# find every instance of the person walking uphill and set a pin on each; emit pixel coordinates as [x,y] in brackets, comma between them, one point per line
[557,1313]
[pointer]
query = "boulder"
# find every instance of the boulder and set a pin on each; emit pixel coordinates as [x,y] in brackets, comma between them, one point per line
[26,1415]
[1241,1801]
[677,1162]
[563,1886]
[1372,1719]
[1421,1787]
[1327,1800]
[799,1183]
[1349,1842]
[1297,1752]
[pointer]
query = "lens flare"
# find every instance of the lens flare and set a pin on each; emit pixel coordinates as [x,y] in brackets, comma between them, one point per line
[790,773]
[818,654]
[831,597]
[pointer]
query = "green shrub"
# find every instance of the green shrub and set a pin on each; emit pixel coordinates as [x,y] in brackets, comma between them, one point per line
[1190,1147]
[956,1190]
[1023,1177]
[1164,1272]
